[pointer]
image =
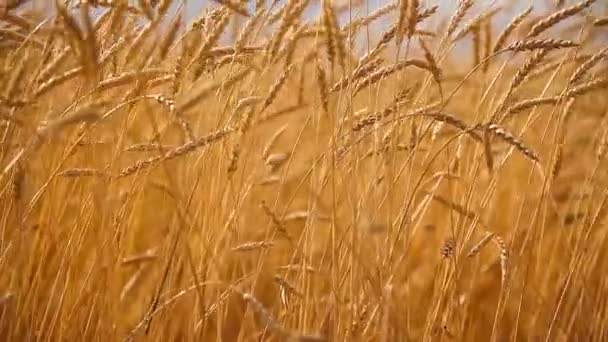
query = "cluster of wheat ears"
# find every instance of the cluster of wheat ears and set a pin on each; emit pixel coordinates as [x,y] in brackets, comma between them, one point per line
[395,173]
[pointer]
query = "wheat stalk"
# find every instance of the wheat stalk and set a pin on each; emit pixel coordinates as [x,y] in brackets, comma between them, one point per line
[479,246]
[461,11]
[504,258]
[511,27]
[535,44]
[510,139]
[276,87]
[587,65]
[557,17]
[252,246]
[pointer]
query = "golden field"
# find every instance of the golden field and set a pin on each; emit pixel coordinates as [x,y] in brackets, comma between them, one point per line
[261,173]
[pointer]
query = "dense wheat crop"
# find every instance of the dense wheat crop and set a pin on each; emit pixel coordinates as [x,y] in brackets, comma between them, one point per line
[303,170]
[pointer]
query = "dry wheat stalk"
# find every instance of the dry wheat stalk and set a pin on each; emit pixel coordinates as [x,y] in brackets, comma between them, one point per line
[148,255]
[276,87]
[388,70]
[525,70]
[112,51]
[359,72]
[17,180]
[475,23]
[276,160]
[252,246]
[235,153]
[355,24]
[504,258]
[401,21]
[372,118]
[72,31]
[129,77]
[453,206]
[487,151]
[198,61]
[276,221]
[272,141]
[289,48]
[57,80]
[53,65]
[220,51]
[179,151]
[426,13]
[425,33]
[518,79]
[245,102]
[169,37]
[504,35]
[270,179]
[513,141]
[81,172]
[455,165]
[451,120]
[322,85]
[149,147]
[243,127]
[135,45]
[330,30]
[203,91]
[281,112]
[163,100]
[447,249]
[412,16]
[302,215]
[387,36]
[557,160]
[558,16]
[476,32]
[580,72]
[130,284]
[463,8]
[16,77]
[479,246]
[526,104]
[487,40]
[89,44]
[248,29]
[595,84]
[432,62]
[535,44]
[285,285]
[291,11]
[298,268]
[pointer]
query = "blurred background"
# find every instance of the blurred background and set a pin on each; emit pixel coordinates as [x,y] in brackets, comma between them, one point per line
[193,8]
[346,9]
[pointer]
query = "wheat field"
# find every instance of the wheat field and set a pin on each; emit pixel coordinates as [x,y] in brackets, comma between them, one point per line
[303,170]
